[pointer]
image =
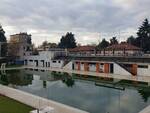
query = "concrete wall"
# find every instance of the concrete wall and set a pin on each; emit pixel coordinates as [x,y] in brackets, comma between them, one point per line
[119,70]
[82,67]
[143,71]
[75,66]
[69,65]
[56,64]
[92,67]
[47,57]
[35,101]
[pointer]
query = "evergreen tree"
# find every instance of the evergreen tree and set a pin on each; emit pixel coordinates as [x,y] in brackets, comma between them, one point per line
[113,41]
[143,36]
[131,40]
[3,42]
[67,41]
[103,44]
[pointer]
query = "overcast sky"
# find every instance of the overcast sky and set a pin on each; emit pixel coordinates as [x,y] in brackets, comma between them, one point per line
[89,20]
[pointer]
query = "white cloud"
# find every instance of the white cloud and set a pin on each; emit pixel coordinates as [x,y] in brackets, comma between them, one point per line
[50,19]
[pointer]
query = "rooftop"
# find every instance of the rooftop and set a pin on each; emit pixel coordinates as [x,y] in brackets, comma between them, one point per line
[82,48]
[122,46]
[21,33]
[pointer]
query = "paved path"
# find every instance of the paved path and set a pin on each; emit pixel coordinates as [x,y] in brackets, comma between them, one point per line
[146,110]
[13,68]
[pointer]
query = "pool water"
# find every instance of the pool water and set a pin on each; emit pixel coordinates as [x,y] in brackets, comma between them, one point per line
[92,94]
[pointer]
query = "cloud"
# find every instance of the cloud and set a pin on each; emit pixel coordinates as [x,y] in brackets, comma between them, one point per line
[50,19]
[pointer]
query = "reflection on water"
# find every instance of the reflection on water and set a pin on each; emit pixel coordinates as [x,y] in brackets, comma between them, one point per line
[145,93]
[93,94]
[16,77]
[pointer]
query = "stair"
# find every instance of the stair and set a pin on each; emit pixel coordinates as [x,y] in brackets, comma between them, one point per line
[124,67]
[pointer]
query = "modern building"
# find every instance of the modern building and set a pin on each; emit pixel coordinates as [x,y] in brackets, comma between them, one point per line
[47,46]
[72,59]
[46,59]
[110,67]
[122,49]
[20,45]
[52,59]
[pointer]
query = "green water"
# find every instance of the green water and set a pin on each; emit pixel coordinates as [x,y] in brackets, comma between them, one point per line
[92,94]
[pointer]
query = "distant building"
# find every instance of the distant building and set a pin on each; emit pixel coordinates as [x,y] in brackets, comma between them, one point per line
[122,49]
[82,50]
[46,46]
[46,58]
[20,45]
[58,59]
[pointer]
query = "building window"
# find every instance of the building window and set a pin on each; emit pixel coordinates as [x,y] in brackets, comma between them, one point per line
[31,60]
[59,61]
[54,61]
[92,64]
[48,64]
[142,66]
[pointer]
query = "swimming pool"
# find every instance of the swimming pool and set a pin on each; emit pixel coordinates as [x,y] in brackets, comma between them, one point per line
[92,94]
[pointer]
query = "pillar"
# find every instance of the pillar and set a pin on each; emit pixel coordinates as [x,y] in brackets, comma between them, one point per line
[134,69]
[106,68]
[78,63]
[97,68]
[86,66]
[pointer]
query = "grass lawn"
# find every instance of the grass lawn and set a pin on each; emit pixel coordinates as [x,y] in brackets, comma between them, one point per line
[13,66]
[8,105]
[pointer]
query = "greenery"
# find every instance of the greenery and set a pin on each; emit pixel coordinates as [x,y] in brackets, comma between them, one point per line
[29,40]
[131,40]
[113,41]
[8,105]
[14,77]
[67,41]
[3,41]
[103,44]
[13,66]
[142,40]
[48,44]
[143,37]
